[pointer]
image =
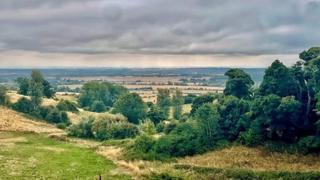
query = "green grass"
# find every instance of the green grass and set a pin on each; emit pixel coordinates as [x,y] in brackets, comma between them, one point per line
[30,156]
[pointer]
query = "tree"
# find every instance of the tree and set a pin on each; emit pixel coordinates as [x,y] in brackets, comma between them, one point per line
[23,85]
[177,102]
[281,117]
[98,106]
[47,89]
[155,114]
[163,101]
[234,117]
[208,117]
[95,91]
[4,99]
[131,106]
[37,77]
[239,83]
[201,100]
[310,54]
[279,80]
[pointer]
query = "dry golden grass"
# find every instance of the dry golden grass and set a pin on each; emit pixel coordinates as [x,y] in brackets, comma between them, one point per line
[14,97]
[13,121]
[255,159]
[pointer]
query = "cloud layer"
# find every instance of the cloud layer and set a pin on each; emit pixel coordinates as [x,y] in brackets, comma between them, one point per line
[154,28]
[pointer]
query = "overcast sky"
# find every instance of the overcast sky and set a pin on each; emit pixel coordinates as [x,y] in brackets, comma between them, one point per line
[156,33]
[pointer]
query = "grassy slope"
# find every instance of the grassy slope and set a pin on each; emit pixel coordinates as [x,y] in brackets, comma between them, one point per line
[28,155]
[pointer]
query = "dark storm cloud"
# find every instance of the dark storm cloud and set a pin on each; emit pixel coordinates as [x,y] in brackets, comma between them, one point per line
[252,27]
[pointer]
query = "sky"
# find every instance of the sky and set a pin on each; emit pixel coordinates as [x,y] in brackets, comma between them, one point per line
[156,33]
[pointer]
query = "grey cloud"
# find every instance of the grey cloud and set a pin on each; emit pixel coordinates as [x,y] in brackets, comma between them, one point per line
[159,26]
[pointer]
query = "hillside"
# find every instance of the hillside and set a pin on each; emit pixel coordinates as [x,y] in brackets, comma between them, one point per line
[13,121]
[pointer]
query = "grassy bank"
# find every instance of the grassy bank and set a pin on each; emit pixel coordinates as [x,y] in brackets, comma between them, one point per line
[28,155]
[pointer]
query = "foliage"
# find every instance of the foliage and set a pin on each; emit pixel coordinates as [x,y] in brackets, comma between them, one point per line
[164,101]
[147,127]
[310,54]
[200,100]
[207,117]
[83,129]
[177,102]
[310,144]
[104,130]
[142,148]
[95,91]
[182,141]
[278,80]
[56,116]
[189,98]
[98,106]
[66,105]
[22,105]
[131,106]
[4,99]
[155,114]
[35,86]
[239,83]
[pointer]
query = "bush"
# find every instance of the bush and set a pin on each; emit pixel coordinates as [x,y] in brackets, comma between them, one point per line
[83,129]
[98,106]
[310,144]
[160,127]
[142,148]
[147,126]
[23,105]
[111,117]
[61,125]
[104,130]
[169,127]
[56,116]
[182,141]
[65,105]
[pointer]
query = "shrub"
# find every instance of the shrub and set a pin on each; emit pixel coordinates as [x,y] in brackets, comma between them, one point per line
[182,141]
[65,105]
[83,129]
[160,127]
[61,125]
[169,127]
[56,116]
[111,117]
[23,105]
[142,148]
[104,130]
[310,144]
[147,126]
[98,106]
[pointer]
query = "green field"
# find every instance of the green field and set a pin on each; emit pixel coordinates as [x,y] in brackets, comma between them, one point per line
[29,156]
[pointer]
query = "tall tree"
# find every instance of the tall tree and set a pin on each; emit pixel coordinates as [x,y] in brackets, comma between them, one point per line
[239,83]
[177,102]
[131,106]
[164,101]
[279,80]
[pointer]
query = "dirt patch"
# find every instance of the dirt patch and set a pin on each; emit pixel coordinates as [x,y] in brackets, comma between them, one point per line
[13,121]
[53,149]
